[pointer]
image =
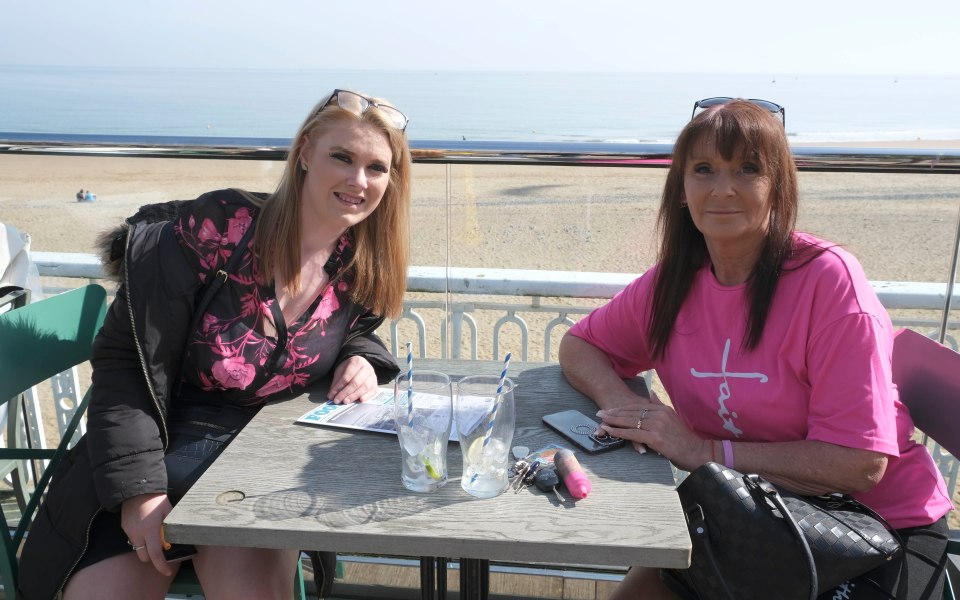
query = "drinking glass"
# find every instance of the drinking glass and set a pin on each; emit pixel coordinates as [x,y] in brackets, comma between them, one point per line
[423,413]
[485,422]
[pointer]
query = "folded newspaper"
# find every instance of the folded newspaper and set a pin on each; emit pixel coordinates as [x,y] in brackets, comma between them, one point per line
[377,413]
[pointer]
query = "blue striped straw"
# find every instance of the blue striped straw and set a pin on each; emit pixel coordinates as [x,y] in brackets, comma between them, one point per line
[496,401]
[409,384]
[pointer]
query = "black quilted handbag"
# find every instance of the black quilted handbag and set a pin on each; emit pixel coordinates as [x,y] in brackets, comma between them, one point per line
[751,541]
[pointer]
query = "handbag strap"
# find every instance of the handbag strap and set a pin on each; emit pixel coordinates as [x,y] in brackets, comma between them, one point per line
[769,492]
[214,281]
[697,525]
[270,365]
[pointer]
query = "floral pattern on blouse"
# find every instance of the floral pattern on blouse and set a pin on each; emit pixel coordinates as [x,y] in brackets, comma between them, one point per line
[230,353]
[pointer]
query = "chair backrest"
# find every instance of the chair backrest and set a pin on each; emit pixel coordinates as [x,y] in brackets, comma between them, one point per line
[927,375]
[47,337]
[38,341]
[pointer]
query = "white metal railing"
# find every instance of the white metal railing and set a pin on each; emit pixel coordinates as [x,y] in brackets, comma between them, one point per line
[517,293]
[525,290]
[582,154]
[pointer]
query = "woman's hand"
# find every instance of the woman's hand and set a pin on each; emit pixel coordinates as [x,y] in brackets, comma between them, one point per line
[354,380]
[657,426]
[141,518]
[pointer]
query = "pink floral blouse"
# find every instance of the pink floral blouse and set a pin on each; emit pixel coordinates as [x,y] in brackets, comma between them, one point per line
[230,354]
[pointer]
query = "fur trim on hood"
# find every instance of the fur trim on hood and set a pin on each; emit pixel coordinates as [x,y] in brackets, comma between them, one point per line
[111,245]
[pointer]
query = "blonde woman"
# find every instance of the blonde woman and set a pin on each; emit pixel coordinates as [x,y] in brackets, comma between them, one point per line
[309,273]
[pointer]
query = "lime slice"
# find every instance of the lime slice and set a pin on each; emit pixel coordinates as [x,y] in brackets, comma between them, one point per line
[430,470]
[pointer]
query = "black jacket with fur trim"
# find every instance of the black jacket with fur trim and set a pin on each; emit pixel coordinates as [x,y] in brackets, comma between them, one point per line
[136,361]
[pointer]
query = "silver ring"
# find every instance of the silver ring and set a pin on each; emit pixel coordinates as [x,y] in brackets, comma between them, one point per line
[643,415]
[135,547]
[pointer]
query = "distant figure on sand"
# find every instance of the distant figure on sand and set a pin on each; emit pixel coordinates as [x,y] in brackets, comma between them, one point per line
[80,195]
[89,196]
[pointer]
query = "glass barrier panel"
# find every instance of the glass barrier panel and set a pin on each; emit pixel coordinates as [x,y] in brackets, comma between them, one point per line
[902,228]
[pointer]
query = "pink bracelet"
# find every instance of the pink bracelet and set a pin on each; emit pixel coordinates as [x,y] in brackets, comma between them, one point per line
[728,454]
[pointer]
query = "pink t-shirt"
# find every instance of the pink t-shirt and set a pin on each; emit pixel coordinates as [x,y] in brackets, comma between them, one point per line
[820,372]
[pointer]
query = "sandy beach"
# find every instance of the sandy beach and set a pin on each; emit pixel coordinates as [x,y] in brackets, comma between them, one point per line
[524,217]
[600,219]
[901,226]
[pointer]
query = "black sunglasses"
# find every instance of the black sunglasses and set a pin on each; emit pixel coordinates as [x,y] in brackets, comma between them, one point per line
[764,104]
[359,104]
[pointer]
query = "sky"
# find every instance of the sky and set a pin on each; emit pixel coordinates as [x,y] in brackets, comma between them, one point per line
[693,36]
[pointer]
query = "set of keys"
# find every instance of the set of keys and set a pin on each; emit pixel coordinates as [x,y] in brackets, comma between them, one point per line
[537,473]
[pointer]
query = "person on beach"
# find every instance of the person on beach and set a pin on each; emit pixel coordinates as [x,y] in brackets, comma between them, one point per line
[772,346]
[89,196]
[312,270]
[80,195]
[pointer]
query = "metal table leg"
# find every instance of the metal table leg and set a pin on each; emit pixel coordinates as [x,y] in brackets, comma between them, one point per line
[433,578]
[428,589]
[441,578]
[474,579]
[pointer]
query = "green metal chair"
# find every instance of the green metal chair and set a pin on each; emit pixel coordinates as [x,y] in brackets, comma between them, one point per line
[18,472]
[927,375]
[37,341]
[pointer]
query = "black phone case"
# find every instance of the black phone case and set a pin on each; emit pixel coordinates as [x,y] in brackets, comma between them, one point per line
[577,427]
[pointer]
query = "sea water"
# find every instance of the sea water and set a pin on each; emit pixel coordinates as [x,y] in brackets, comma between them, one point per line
[471,105]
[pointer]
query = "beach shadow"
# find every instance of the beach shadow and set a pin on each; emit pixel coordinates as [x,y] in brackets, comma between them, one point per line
[530,189]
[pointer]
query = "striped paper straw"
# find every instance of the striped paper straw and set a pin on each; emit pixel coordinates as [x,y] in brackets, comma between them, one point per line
[409,384]
[496,401]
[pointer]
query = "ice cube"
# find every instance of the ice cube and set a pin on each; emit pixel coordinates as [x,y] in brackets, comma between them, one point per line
[494,448]
[413,441]
[414,465]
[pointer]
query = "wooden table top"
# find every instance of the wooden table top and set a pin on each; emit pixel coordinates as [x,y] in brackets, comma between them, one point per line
[281,484]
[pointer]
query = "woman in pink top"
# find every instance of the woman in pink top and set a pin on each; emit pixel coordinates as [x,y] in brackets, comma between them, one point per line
[772,345]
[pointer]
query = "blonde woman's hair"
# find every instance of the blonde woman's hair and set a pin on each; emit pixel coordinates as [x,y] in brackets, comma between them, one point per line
[382,240]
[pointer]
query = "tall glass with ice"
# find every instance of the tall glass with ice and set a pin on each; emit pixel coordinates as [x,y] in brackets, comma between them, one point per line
[423,413]
[485,420]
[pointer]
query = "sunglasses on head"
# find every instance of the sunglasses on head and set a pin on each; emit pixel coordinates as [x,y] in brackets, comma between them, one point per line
[359,104]
[764,104]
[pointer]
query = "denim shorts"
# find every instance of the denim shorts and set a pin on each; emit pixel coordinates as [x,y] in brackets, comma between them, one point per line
[198,434]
